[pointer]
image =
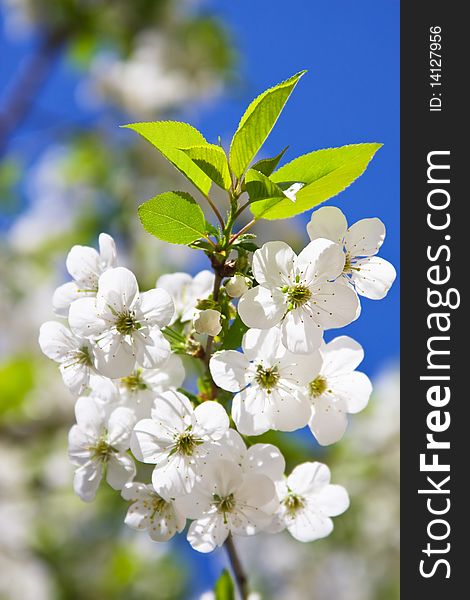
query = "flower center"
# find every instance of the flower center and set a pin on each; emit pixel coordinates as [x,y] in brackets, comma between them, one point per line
[224,504]
[83,356]
[318,386]
[293,503]
[158,505]
[126,323]
[297,295]
[347,264]
[186,442]
[102,451]
[267,378]
[134,382]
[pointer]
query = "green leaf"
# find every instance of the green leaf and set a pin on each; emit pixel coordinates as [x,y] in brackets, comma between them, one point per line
[249,246]
[267,165]
[257,123]
[213,161]
[224,588]
[325,173]
[260,187]
[233,337]
[168,137]
[173,217]
[16,380]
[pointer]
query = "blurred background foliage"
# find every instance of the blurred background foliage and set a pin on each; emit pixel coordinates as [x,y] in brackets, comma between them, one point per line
[63,179]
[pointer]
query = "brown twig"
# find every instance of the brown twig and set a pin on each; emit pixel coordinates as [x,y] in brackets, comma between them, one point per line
[30,79]
[237,568]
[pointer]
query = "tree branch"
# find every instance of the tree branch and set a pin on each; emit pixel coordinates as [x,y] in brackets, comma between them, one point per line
[237,568]
[30,79]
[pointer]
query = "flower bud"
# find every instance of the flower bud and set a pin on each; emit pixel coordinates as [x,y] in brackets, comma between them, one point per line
[236,286]
[208,322]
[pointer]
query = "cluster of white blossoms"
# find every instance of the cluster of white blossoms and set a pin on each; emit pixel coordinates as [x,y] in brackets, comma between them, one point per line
[119,352]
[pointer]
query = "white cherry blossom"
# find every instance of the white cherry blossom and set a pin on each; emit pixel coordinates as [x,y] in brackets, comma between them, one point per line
[85,265]
[186,291]
[75,355]
[98,444]
[298,293]
[177,440]
[265,459]
[236,286]
[137,391]
[151,511]
[207,322]
[308,500]
[268,381]
[227,500]
[338,389]
[124,324]
[370,275]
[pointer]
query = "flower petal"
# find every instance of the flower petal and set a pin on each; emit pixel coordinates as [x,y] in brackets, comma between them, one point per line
[308,477]
[79,446]
[114,357]
[64,295]
[288,411]
[171,374]
[300,369]
[263,345]
[222,477]
[151,348]
[56,341]
[332,500]
[196,503]
[120,470]
[336,305]
[90,417]
[87,480]
[108,254]
[76,377]
[165,524]
[138,514]
[274,265]
[301,333]
[148,441]
[354,389]
[83,264]
[229,370]
[211,419]
[340,356]
[207,533]
[309,525]
[117,290]
[265,459]
[174,476]
[329,421]
[120,425]
[365,237]
[328,222]
[84,320]
[172,411]
[321,260]
[249,412]
[202,284]
[156,308]
[374,277]
[262,308]
[136,491]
